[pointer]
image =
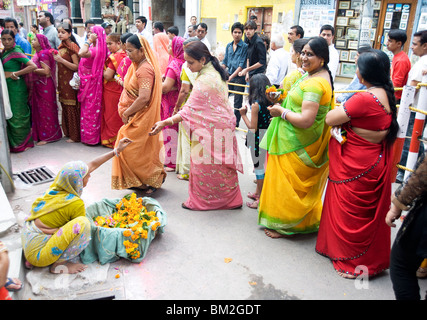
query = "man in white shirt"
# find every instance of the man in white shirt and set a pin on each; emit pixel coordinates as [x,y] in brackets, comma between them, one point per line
[328,32]
[193,23]
[277,67]
[140,24]
[295,32]
[202,31]
[415,76]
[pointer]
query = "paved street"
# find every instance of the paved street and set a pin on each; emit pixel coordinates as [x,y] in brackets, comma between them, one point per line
[202,255]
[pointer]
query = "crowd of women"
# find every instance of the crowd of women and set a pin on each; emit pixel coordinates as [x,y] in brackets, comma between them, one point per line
[174,109]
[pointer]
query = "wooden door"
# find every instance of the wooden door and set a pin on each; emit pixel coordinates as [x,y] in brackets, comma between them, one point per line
[264,19]
[395,14]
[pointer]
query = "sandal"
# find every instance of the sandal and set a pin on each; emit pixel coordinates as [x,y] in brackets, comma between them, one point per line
[150,190]
[253,196]
[185,207]
[421,272]
[253,205]
[13,282]
[184,176]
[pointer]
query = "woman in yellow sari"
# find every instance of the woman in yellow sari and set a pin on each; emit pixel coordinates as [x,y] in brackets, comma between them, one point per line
[297,145]
[140,165]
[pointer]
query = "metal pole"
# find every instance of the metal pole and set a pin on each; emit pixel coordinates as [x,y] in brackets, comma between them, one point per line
[417,132]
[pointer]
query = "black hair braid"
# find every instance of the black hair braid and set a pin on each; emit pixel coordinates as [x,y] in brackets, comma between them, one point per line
[394,126]
[217,66]
[332,80]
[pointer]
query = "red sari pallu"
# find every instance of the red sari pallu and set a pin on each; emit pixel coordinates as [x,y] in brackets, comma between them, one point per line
[353,232]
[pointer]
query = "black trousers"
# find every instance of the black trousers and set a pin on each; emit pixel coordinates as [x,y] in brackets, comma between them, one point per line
[408,251]
[238,98]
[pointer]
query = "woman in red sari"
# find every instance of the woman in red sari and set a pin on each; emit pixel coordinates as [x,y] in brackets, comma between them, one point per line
[353,232]
[111,121]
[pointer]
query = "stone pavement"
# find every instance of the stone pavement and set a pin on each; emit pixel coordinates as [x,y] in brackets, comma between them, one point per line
[215,255]
[202,255]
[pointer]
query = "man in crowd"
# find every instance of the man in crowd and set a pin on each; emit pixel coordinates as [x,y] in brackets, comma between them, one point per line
[88,24]
[401,65]
[46,20]
[22,31]
[202,31]
[257,52]
[277,67]
[172,32]
[328,32]
[140,24]
[235,58]
[107,14]
[192,31]
[108,27]
[124,17]
[193,23]
[294,33]
[158,27]
[415,76]
[12,24]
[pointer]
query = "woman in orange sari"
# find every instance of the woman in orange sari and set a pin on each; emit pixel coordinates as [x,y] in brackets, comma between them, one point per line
[160,47]
[140,165]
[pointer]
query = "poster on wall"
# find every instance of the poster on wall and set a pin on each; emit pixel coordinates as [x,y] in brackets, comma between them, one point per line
[314,14]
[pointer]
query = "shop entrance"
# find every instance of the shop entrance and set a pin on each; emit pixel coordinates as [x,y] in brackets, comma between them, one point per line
[395,14]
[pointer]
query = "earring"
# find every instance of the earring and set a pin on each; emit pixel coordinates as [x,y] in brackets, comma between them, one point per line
[322,63]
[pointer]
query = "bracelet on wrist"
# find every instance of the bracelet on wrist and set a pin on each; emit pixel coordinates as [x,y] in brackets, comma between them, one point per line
[116,153]
[284,113]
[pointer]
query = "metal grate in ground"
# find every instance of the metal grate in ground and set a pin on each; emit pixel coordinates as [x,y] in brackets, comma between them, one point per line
[36,176]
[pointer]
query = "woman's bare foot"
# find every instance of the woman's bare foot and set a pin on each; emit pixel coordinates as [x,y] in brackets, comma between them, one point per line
[346,275]
[41,143]
[70,141]
[275,235]
[67,268]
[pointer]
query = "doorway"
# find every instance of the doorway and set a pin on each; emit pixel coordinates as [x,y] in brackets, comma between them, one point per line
[264,19]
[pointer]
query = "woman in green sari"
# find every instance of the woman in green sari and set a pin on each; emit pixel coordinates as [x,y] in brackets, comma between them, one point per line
[16,64]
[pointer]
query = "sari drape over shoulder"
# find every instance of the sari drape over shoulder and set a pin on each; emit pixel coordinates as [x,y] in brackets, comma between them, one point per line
[19,126]
[67,96]
[215,158]
[141,163]
[111,121]
[297,165]
[160,47]
[90,93]
[45,121]
[353,231]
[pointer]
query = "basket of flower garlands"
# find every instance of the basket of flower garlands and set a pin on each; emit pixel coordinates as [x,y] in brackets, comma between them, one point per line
[122,228]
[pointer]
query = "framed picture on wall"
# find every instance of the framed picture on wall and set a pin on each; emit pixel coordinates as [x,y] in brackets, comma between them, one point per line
[377,5]
[353,44]
[348,69]
[352,34]
[341,44]
[342,21]
[344,55]
[352,55]
[339,32]
[349,13]
[344,5]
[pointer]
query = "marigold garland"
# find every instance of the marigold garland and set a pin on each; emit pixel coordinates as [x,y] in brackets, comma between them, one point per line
[272,89]
[131,215]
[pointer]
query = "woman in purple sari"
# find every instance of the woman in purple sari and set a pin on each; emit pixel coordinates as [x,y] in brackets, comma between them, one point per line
[93,54]
[170,91]
[45,121]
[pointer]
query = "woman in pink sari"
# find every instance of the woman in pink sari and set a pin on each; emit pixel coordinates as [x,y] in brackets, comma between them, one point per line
[93,54]
[215,158]
[170,91]
[44,109]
